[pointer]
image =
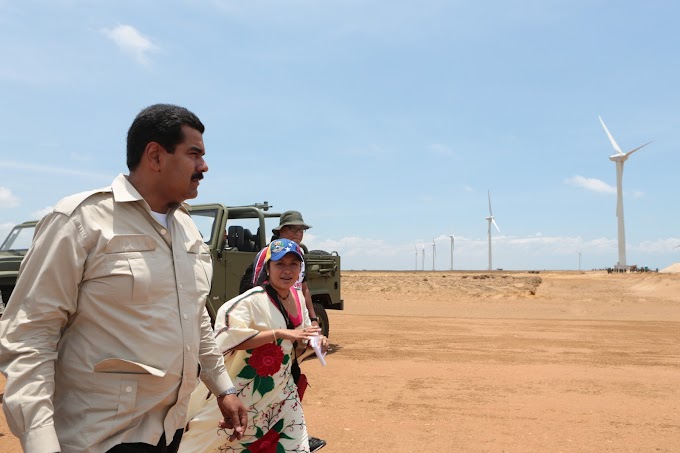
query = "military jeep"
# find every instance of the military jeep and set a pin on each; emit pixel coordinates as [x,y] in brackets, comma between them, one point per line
[12,251]
[228,231]
[235,235]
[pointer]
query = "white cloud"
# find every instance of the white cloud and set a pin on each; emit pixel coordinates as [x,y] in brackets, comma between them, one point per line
[658,246]
[7,199]
[511,252]
[356,246]
[5,228]
[592,184]
[131,42]
[40,213]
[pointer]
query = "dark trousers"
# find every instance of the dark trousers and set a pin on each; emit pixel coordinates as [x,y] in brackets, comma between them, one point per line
[148,448]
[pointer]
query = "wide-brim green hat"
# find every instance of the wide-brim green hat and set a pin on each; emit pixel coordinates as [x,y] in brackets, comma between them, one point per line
[290,218]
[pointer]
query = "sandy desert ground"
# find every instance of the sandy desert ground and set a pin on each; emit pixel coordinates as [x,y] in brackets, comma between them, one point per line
[497,362]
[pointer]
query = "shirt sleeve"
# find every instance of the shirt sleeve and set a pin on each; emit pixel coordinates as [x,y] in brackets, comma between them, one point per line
[45,296]
[238,323]
[306,322]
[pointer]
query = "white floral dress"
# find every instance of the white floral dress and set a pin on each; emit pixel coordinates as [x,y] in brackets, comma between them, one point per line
[263,380]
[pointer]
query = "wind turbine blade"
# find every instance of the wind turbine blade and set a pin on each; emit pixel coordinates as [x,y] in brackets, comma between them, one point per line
[611,139]
[639,147]
[495,224]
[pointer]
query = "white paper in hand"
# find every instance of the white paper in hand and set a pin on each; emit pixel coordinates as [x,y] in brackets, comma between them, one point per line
[316,344]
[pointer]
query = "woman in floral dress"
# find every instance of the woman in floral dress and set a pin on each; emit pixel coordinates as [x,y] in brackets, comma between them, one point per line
[259,347]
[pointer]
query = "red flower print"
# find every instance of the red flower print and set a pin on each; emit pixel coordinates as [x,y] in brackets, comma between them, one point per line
[266,444]
[266,359]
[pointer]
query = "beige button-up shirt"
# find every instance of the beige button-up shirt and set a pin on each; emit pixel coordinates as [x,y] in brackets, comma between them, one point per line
[103,335]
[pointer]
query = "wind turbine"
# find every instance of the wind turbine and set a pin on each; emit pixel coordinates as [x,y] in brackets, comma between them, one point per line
[434,252]
[416,247]
[452,245]
[423,256]
[620,157]
[491,220]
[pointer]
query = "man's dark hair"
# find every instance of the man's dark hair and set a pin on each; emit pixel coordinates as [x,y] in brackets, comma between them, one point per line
[160,123]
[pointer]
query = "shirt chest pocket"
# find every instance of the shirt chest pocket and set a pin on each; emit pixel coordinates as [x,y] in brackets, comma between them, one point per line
[128,260]
[199,257]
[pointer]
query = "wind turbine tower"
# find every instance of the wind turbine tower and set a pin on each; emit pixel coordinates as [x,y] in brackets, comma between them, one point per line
[423,256]
[619,158]
[434,252]
[491,220]
[452,238]
[416,247]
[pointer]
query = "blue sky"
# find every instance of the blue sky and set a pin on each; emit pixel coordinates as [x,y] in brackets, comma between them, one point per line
[384,123]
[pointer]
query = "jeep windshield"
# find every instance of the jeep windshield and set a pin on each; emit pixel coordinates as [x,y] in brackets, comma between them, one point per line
[19,239]
[205,221]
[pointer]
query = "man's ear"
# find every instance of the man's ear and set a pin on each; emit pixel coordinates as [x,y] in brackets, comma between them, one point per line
[152,155]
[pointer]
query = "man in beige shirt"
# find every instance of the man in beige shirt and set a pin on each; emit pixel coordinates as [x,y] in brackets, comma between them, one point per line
[103,335]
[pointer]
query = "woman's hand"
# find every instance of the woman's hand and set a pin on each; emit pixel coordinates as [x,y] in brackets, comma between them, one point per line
[298,335]
[323,342]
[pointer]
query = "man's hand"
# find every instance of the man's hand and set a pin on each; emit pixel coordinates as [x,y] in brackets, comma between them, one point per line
[235,415]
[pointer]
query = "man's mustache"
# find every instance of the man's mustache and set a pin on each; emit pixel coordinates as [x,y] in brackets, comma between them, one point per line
[198,175]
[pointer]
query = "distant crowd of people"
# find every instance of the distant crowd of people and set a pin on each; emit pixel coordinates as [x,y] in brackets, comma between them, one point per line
[632,268]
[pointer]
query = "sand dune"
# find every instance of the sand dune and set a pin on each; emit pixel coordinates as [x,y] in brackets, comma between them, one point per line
[673,268]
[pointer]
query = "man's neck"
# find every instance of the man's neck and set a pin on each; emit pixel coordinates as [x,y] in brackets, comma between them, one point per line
[146,189]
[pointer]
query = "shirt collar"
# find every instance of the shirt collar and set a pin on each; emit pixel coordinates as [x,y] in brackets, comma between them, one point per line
[124,192]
